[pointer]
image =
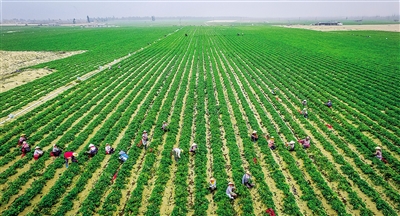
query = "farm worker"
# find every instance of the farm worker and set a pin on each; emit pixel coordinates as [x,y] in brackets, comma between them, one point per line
[119,66]
[304,113]
[25,148]
[193,148]
[177,153]
[164,126]
[246,180]
[329,104]
[271,143]
[92,150]
[213,184]
[38,153]
[122,156]
[56,151]
[144,139]
[254,136]
[270,211]
[305,142]
[229,191]
[290,145]
[22,138]
[109,150]
[378,153]
[274,91]
[304,102]
[70,155]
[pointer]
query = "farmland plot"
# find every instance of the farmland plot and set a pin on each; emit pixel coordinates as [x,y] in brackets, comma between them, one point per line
[213,87]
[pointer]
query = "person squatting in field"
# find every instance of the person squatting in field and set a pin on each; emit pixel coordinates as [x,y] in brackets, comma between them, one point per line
[246,180]
[229,191]
[72,156]
[55,152]
[21,139]
[92,150]
[305,142]
[329,104]
[271,142]
[108,149]
[290,145]
[304,102]
[304,113]
[145,138]
[177,153]
[193,148]
[37,153]
[122,156]
[212,184]
[254,136]
[25,148]
[164,126]
[378,154]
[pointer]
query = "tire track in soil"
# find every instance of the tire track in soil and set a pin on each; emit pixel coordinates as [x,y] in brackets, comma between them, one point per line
[328,155]
[137,168]
[168,199]
[83,195]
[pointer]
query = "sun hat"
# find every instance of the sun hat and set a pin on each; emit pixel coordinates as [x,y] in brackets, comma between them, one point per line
[378,148]
[230,183]
[194,144]
[248,173]
[23,134]
[91,145]
[144,131]
[54,144]
[75,154]
[254,131]
[272,137]
[292,142]
[37,147]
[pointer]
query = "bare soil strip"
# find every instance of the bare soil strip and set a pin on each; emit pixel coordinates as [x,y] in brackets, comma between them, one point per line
[383,27]
[168,197]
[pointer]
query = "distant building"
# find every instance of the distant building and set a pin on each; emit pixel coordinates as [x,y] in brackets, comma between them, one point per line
[329,23]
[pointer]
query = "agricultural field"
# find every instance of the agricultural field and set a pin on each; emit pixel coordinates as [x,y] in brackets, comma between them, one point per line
[213,87]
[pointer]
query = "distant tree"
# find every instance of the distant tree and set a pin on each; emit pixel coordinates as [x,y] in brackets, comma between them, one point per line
[74,21]
[88,20]
[153,18]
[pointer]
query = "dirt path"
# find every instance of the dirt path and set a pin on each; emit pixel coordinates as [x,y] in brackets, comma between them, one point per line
[60,90]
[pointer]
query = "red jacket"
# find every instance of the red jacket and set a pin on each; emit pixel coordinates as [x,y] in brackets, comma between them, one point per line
[68,155]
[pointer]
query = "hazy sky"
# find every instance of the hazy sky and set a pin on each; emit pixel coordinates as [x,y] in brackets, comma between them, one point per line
[79,9]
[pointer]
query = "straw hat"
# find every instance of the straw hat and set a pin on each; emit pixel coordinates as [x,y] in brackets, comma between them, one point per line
[378,148]
[144,131]
[272,137]
[254,131]
[91,145]
[54,144]
[37,147]
[23,134]
[292,142]
[248,173]
[230,183]
[194,144]
[107,144]
[75,154]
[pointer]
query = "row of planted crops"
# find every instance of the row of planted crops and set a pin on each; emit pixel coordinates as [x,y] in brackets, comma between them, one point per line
[213,88]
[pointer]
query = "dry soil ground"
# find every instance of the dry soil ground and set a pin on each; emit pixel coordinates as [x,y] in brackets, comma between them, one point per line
[11,61]
[389,27]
